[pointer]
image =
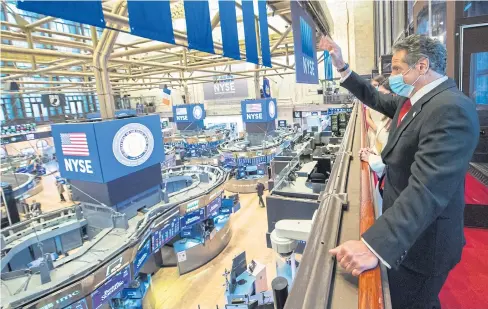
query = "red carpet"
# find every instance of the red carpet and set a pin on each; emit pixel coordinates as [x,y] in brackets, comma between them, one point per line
[475,192]
[467,284]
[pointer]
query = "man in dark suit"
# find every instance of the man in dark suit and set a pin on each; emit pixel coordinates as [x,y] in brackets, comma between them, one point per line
[434,132]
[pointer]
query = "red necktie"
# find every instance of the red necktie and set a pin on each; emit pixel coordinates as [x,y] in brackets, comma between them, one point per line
[407,105]
[405,108]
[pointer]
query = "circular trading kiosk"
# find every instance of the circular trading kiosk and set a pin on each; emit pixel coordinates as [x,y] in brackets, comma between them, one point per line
[190,226]
[250,162]
[197,147]
[204,223]
[23,185]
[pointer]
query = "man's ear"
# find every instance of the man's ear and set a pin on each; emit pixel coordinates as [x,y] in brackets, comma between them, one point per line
[423,65]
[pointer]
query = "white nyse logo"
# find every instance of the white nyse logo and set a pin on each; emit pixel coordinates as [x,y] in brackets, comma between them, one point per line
[79,166]
[254,116]
[308,66]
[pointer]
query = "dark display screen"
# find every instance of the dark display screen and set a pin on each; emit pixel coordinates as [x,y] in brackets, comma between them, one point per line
[193,217]
[214,206]
[81,304]
[142,255]
[166,233]
[111,287]
[225,210]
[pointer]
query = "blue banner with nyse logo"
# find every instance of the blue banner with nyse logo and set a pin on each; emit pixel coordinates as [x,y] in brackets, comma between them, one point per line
[103,151]
[304,39]
[261,110]
[188,113]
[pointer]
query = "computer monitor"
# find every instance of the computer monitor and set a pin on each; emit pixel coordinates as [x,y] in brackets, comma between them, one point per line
[239,264]
[315,129]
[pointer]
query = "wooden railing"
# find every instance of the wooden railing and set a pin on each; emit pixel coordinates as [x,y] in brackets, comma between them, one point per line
[370,282]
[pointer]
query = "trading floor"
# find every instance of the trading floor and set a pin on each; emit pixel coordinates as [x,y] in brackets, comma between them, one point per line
[168,288]
[206,284]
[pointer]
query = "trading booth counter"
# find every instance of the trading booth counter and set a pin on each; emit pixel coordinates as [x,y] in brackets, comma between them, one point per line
[116,246]
[195,252]
[246,185]
[23,185]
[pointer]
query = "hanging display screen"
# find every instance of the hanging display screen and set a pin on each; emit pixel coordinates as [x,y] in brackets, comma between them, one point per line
[142,255]
[110,288]
[214,205]
[166,233]
[193,217]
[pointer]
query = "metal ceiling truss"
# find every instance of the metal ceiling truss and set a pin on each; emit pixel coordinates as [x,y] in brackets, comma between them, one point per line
[130,66]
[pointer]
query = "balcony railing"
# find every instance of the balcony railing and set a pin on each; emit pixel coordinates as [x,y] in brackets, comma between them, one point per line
[314,285]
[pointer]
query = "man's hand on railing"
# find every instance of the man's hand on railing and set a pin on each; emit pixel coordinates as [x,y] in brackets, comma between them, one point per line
[364,153]
[355,257]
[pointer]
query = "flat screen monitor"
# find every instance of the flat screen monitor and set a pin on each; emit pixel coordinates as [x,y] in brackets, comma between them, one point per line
[315,129]
[239,264]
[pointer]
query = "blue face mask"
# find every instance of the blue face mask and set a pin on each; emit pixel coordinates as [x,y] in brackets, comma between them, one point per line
[399,87]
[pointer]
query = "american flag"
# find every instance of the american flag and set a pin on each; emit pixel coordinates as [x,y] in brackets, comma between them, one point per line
[74,144]
[253,108]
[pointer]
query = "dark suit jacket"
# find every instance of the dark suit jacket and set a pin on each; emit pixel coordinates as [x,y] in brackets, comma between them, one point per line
[427,157]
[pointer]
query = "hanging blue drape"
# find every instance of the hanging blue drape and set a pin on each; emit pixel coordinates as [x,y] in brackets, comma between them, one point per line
[329,73]
[85,12]
[228,24]
[198,27]
[263,30]
[250,31]
[151,19]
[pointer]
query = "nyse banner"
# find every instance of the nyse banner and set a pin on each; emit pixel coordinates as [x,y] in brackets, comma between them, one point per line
[259,110]
[304,38]
[225,87]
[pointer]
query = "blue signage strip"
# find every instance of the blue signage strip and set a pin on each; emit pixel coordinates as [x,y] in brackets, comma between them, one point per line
[225,210]
[151,19]
[166,233]
[118,113]
[228,24]
[250,31]
[262,110]
[85,12]
[25,137]
[332,111]
[263,31]
[192,218]
[110,288]
[142,255]
[305,43]
[214,206]
[81,304]
[188,113]
[198,27]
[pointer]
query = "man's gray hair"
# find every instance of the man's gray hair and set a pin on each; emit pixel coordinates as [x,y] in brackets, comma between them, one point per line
[421,46]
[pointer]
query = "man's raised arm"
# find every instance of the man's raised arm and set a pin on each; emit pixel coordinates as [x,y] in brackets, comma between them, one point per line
[364,91]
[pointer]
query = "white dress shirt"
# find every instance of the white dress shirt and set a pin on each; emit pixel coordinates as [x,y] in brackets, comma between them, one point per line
[414,99]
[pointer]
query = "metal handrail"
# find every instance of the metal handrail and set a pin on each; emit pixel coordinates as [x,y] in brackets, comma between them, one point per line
[370,282]
[311,287]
